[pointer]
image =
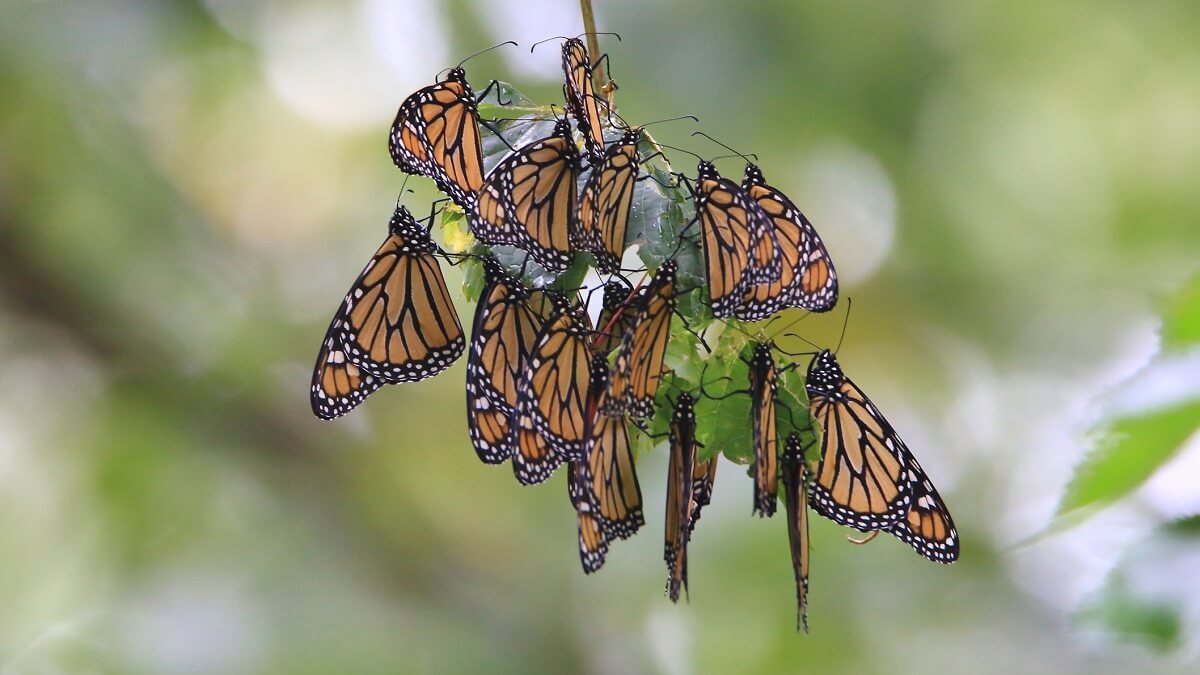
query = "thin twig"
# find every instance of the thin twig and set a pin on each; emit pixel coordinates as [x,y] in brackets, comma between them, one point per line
[599,80]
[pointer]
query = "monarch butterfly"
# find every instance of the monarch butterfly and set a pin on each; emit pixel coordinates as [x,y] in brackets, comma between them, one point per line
[605,202]
[338,386]
[807,277]
[864,479]
[507,321]
[740,248]
[593,535]
[927,526]
[680,472]
[763,386]
[795,485]
[593,542]
[581,97]
[617,313]
[528,199]
[436,134]
[638,366]
[398,322]
[552,422]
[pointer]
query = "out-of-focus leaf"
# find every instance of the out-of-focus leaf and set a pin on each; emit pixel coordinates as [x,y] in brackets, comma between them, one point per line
[1135,447]
[1153,624]
[1181,322]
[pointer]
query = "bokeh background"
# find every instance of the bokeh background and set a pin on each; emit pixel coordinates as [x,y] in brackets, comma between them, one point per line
[1009,189]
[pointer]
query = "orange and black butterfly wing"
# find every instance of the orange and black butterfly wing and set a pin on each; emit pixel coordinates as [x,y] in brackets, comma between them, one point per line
[605,202]
[795,485]
[436,134]
[703,476]
[863,480]
[400,323]
[593,542]
[552,423]
[581,97]
[679,494]
[507,321]
[808,278]
[617,314]
[763,386]
[740,249]
[338,386]
[638,366]
[614,482]
[528,200]
[927,526]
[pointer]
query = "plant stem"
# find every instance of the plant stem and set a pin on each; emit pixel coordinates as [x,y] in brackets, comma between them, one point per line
[589,26]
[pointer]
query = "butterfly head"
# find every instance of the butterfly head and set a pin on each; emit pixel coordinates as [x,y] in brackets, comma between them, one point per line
[668,270]
[562,128]
[614,294]
[762,354]
[456,74]
[403,223]
[573,50]
[824,375]
[685,406]
[631,137]
[793,448]
[753,175]
[707,171]
[599,369]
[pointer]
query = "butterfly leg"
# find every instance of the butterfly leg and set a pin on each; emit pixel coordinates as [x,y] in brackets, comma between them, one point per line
[488,125]
[865,540]
[494,84]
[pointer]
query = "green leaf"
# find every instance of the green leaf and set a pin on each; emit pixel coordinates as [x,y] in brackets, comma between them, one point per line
[1181,321]
[1137,620]
[1135,447]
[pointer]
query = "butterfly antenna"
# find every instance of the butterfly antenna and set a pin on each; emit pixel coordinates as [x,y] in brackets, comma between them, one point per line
[671,119]
[556,37]
[807,341]
[802,317]
[845,322]
[617,35]
[689,152]
[735,152]
[482,51]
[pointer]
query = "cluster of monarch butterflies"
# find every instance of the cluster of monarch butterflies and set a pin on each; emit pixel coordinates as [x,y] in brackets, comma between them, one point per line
[546,386]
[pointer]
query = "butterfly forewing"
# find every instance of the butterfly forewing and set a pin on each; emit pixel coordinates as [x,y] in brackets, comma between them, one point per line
[507,321]
[807,278]
[400,323]
[528,200]
[795,485]
[863,479]
[436,134]
[680,471]
[552,410]
[638,366]
[581,97]
[763,385]
[605,202]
